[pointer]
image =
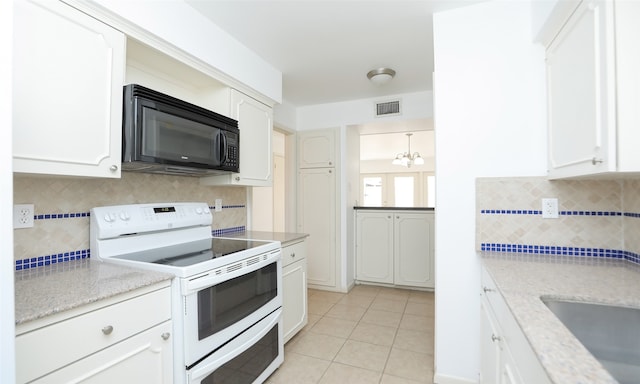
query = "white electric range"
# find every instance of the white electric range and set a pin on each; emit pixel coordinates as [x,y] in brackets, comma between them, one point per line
[226,294]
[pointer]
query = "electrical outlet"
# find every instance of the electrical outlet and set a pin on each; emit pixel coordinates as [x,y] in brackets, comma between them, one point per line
[218,206]
[23,215]
[550,208]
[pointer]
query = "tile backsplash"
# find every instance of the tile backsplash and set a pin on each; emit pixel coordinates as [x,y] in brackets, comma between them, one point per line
[61,225]
[597,217]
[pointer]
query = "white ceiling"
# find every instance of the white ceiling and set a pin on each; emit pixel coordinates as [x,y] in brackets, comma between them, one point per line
[324,49]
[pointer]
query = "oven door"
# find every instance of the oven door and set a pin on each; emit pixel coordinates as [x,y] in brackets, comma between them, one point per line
[249,358]
[224,302]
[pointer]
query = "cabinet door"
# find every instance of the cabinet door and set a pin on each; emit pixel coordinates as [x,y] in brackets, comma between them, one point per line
[144,358]
[413,249]
[255,121]
[489,347]
[317,217]
[294,298]
[68,73]
[374,247]
[256,128]
[316,149]
[581,93]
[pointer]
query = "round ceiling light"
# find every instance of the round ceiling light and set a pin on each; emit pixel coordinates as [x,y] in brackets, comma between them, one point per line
[381,75]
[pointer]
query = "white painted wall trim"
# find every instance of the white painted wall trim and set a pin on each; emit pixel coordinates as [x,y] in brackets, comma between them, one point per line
[444,379]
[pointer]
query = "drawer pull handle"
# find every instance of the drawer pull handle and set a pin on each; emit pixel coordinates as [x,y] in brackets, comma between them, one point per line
[485,289]
[107,330]
[293,255]
[165,336]
[495,338]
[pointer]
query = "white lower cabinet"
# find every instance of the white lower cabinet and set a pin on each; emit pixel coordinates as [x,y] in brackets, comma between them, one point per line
[294,289]
[143,358]
[506,356]
[395,247]
[126,340]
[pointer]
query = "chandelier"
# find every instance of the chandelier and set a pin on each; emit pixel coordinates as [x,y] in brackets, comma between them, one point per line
[407,158]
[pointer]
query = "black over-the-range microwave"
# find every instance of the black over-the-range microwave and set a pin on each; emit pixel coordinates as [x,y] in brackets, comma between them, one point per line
[162,134]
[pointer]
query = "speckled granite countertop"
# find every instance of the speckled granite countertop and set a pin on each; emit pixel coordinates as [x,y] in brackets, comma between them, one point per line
[47,290]
[282,237]
[523,279]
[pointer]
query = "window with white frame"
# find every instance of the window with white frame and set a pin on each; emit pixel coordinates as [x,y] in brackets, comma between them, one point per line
[409,189]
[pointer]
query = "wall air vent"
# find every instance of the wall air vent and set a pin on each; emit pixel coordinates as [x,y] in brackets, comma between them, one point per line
[388,108]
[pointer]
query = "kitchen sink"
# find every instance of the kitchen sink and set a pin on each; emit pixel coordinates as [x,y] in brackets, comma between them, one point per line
[610,333]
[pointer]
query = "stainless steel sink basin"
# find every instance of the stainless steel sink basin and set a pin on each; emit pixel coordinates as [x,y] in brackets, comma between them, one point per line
[610,333]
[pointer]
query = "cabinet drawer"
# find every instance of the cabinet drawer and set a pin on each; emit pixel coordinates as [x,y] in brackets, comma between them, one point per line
[45,349]
[292,253]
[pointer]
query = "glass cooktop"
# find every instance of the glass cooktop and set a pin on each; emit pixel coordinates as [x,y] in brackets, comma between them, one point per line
[187,254]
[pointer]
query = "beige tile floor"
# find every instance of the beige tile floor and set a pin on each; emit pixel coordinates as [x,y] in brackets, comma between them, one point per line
[370,335]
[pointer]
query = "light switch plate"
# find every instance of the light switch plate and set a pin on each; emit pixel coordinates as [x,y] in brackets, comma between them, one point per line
[218,206]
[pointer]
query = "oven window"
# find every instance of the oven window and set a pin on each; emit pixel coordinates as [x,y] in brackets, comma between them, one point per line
[224,304]
[248,365]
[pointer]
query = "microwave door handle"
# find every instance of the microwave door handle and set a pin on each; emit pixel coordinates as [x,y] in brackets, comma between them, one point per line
[223,157]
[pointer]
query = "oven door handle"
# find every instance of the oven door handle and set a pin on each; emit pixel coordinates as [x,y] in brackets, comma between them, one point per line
[208,367]
[221,274]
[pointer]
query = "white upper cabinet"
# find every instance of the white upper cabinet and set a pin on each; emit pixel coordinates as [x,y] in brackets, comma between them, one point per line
[68,73]
[593,91]
[255,121]
[317,148]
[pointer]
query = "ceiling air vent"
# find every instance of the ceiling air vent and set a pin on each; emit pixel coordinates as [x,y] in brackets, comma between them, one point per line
[388,108]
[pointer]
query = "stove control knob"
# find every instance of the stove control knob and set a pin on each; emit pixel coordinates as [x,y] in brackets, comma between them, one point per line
[199,210]
[124,216]
[109,217]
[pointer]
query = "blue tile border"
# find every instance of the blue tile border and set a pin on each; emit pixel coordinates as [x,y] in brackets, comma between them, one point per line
[225,231]
[562,251]
[48,216]
[73,215]
[561,213]
[212,208]
[41,261]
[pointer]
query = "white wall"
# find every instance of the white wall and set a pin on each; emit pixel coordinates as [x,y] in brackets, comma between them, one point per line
[7,322]
[202,39]
[284,116]
[489,121]
[418,105]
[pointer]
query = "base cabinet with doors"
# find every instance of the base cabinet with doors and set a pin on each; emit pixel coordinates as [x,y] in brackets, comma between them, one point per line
[592,88]
[294,288]
[126,339]
[395,247]
[506,356]
[68,72]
